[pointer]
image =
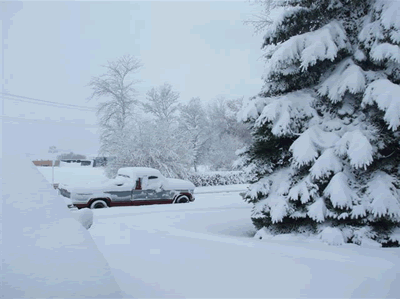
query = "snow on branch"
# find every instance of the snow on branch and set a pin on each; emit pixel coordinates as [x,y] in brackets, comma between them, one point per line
[304,190]
[328,162]
[251,109]
[386,51]
[346,77]
[276,203]
[386,19]
[339,191]
[364,236]
[395,235]
[317,210]
[389,13]
[262,187]
[358,211]
[303,149]
[278,207]
[357,147]
[284,109]
[307,49]
[384,196]
[387,96]
[306,148]
[277,15]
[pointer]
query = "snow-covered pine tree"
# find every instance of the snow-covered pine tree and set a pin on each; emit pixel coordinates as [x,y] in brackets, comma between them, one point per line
[325,152]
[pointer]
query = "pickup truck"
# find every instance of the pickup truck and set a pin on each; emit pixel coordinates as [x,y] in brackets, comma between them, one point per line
[132,186]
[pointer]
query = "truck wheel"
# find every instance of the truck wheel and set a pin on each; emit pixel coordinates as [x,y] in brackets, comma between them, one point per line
[98,204]
[182,199]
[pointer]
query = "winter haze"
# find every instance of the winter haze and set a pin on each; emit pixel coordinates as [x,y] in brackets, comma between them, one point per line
[231,165]
[53,49]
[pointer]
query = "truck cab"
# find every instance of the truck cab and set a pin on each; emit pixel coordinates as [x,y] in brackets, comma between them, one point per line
[132,186]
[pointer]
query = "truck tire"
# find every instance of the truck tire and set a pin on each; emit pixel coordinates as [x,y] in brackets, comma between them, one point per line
[99,204]
[182,199]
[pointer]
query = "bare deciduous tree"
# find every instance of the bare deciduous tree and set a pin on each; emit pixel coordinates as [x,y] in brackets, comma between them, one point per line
[162,102]
[193,123]
[226,134]
[262,18]
[117,86]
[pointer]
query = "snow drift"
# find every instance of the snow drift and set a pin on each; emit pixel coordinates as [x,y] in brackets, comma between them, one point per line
[46,252]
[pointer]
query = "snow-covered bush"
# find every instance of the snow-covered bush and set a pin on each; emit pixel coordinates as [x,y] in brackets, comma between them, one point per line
[263,234]
[84,217]
[325,154]
[332,236]
[218,178]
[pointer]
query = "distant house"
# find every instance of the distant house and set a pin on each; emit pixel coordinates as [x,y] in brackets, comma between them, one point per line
[95,162]
[81,162]
[46,163]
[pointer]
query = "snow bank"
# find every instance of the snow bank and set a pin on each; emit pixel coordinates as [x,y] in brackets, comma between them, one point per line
[46,253]
[84,217]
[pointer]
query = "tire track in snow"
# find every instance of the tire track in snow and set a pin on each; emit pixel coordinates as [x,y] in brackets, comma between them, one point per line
[139,213]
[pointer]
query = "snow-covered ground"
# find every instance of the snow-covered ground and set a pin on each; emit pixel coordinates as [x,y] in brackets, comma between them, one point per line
[206,249]
[46,253]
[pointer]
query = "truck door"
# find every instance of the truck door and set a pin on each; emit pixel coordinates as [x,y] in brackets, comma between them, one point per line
[149,191]
[138,195]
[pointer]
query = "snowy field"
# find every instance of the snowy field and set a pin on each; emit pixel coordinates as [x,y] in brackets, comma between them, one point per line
[206,249]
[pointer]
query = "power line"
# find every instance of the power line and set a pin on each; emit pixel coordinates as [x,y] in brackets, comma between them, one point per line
[54,122]
[51,105]
[43,101]
[14,97]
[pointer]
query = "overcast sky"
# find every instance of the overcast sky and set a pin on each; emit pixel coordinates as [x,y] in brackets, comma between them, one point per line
[52,49]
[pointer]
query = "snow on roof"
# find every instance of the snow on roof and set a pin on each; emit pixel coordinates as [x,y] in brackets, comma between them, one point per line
[46,252]
[138,171]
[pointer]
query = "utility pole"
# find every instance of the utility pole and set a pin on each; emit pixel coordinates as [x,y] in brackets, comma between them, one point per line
[53,150]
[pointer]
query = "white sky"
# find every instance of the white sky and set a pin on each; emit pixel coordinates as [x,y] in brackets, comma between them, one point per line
[52,49]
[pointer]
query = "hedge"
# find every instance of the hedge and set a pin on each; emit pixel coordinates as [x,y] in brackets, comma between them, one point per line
[200,179]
